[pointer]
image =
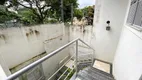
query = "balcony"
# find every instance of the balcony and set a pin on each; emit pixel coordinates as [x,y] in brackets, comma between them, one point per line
[76,67]
[109,50]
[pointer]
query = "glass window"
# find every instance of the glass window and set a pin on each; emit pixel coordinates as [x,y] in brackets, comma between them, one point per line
[135,14]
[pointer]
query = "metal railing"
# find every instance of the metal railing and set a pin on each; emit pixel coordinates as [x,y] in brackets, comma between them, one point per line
[32,65]
[50,78]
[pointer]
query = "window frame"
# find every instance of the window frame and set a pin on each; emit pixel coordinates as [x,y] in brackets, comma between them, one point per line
[137,27]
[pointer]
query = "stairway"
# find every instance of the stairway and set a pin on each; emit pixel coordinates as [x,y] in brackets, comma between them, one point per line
[91,73]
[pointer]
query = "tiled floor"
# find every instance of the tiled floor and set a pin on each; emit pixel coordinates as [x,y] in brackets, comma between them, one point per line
[102,66]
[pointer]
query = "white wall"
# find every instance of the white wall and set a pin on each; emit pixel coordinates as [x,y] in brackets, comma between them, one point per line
[4,66]
[126,51]
[2,74]
[127,64]
[106,41]
[21,45]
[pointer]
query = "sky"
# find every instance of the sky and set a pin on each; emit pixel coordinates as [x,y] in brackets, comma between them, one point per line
[84,3]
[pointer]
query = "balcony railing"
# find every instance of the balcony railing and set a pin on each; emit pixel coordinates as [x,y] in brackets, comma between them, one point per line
[77,64]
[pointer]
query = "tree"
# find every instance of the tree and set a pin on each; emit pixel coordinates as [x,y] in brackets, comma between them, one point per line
[42,9]
[27,17]
[2,2]
[39,8]
[67,8]
[7,15]
[55,8]
[88,11]
[78,13]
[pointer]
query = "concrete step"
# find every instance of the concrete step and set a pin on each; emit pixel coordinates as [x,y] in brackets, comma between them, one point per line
[99,71]
[83,65]
[91,73]
[83,75]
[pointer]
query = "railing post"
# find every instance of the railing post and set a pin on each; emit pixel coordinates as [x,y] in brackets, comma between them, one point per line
[93,58]
[76,60]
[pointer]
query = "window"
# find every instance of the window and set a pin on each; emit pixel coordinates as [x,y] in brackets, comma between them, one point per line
[135,14]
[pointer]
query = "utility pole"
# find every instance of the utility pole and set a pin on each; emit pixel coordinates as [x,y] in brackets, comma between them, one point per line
[72,13]
[62,11]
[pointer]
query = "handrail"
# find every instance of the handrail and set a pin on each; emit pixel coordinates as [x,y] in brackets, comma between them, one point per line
[68,74]
[18,73]
[30,66]
[86,44]
[60,68]
[63,74]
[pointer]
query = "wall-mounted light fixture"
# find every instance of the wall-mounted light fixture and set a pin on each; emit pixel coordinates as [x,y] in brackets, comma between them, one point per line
[108,25]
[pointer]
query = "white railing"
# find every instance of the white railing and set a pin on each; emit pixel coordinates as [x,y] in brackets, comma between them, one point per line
[32,65]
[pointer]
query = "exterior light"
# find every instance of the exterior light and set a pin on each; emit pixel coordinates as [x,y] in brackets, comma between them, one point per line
[108,25]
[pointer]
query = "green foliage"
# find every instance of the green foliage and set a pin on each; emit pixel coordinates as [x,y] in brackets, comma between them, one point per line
[7,15]
[27,17]
[2,2]
[88,11]
[78,13]
[89,14]
[56,10]
[67,9]
[50,21]
[70,75]
[38,11]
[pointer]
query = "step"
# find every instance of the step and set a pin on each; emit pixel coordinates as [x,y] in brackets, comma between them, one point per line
[100,71]
[91,73]
[99,74]
[83,65]
[84,76]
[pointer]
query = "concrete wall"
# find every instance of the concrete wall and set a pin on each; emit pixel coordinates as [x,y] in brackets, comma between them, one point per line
[21,46]
[87,36]
[106,41]
[124,51]
[2,74]
[127,64]
[4,66]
